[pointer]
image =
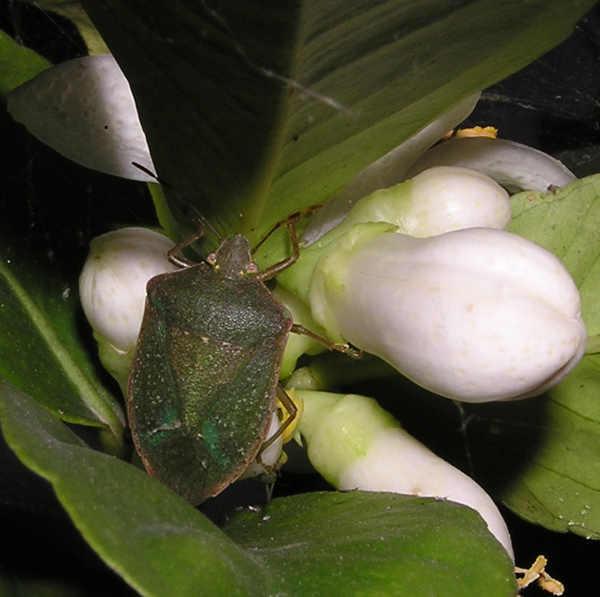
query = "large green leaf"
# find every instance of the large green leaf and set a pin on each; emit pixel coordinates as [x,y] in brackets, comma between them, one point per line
[155,540]
[559,487]
[369,544]
[559,481]
[254,110]
[40,348]
[337,544]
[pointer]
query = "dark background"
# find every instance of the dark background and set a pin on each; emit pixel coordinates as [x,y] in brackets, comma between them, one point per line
[553,105]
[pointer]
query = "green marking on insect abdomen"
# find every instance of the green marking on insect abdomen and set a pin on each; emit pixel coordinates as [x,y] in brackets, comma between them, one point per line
[212,438]
[170,424]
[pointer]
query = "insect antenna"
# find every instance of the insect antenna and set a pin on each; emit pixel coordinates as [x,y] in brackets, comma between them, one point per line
[189,208]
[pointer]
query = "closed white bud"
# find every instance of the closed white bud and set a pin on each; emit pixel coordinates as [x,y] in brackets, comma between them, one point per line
[515,166]
[436,201]
[355,444]
[112,285]
[84,110]
[475,315]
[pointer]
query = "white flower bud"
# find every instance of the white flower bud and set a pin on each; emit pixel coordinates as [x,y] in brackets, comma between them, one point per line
[475,315]
[355,444]
[84,109]
[436,201]
[386,171]
[297,344]
[270,457]
[113,282]
[515,166]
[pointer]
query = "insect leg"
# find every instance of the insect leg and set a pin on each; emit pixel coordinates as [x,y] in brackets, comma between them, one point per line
[201,222]
[182,261]
[345,348]
[292,411]
[290,223]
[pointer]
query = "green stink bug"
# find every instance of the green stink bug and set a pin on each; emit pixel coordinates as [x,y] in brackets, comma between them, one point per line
[203,385]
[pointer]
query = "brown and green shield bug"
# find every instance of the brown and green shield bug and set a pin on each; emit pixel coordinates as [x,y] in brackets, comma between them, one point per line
[204,382]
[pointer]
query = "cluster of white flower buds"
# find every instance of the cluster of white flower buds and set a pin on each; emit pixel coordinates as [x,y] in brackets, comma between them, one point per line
[422,274]
[425,276]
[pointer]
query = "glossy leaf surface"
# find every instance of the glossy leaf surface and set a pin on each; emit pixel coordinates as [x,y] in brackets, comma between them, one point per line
[361,543]
[41,350]
[561,486]
[324,543]
[254,111]
[155,540]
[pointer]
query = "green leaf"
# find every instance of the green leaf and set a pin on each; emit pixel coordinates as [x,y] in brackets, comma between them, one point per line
[254,110]
[40,348]
[158,543]
[559,483]
[565,222]
[362,543]
[316,544]
[17,64]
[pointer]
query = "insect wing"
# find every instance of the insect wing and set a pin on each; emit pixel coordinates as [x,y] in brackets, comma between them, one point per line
[202,386]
